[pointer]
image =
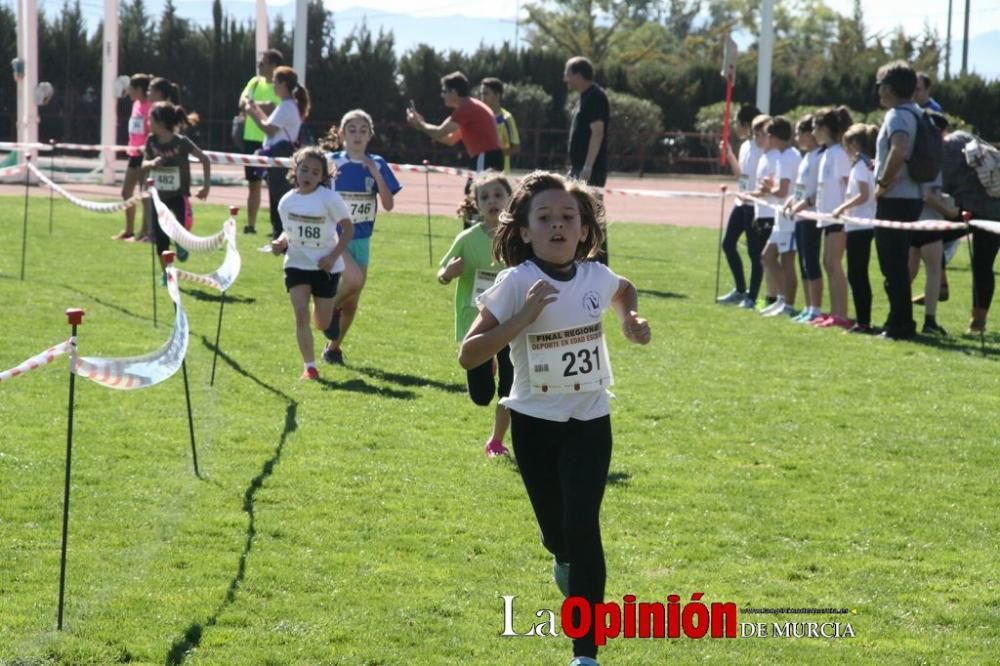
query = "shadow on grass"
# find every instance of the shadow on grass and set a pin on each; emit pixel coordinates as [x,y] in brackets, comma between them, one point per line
[113,306]
[361,386]
[619,478]
[213,296]
[661,294]
[409,380]
[983,347]
[191,638]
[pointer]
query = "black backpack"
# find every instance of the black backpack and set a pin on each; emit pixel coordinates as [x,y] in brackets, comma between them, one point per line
[928,149]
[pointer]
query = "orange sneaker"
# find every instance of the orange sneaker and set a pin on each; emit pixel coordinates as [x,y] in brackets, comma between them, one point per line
[310,373]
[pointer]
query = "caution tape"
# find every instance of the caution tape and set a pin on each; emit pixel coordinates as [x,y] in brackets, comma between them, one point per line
[147,370]
[92,147]
[39,360]
[986,225]
[15,145]
[224,277]
[93,206]
[660,194]
[177,233]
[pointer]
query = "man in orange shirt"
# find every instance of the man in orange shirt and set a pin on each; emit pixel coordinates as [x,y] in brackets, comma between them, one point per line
[471,122]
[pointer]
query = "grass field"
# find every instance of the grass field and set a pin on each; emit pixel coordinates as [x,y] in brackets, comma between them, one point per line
[356,520]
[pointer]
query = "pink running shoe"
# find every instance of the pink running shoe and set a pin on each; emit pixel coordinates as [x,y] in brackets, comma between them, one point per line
[495,448]
[310,373]
[821,321]
[842,322]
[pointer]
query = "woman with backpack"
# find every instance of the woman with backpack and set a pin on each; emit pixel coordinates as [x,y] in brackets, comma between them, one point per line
[282,130]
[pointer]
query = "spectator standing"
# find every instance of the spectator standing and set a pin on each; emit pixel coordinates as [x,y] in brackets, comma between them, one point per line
[260,91]
[922,93]
[491,92]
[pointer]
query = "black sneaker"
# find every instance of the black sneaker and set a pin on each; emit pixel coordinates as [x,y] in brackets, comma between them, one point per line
[249,230]
[933,328]
[333,356]
[862,329]
[332,331]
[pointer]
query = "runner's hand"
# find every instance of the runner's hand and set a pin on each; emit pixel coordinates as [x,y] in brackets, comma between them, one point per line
[279,246]
[539,295]
[454,268]
[636,329]
[203,192]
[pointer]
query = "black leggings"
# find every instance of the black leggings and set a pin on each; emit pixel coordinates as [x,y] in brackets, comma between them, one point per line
[278,185]
[176,206]
[893,247]
[740,219]
[859,254]
[565,470]
[480,379]
[808,238]
[984,252]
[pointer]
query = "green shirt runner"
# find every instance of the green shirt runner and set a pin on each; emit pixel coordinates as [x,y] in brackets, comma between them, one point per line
[475,247]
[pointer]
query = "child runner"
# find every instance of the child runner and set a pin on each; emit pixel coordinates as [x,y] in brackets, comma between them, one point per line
[741,217]
[779,253]
[807,236]
[282,130]
[859,141]
[834,170]
[763,216]
[138,130]
[548,308]
[470,259]
[360,176]
[167,159]
[310,215]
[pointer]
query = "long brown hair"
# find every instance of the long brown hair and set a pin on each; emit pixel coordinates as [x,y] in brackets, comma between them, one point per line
[470,206]
[290,79]
[509,248]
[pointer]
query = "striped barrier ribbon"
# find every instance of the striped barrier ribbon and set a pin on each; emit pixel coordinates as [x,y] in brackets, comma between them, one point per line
[92,206]
[142,371]
[986,225]
[661,194]
[39,360]
[15,145]
[224,277]
[177,233]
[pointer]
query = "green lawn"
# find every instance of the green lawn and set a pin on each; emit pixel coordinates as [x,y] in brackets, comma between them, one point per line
[356,520]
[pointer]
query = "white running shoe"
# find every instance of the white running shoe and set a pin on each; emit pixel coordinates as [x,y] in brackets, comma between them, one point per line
[746,303]
[773,309]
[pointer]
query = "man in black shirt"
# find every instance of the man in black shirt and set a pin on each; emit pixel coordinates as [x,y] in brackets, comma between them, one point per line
[588,133]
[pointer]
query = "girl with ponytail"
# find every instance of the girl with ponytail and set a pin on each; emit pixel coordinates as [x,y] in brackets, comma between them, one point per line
[282,134]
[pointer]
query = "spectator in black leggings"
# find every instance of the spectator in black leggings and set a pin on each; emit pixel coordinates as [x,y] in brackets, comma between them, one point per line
[741,217]
[548,308]
[962,183]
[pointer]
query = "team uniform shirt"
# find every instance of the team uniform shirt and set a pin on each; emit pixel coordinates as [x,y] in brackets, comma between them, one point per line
[749,157]
[138,127]
[834,170]
[508,134]
[357,187]
[767,168]
[861,172]
[561,364]
[788,169]
[310,224]
[808,176]
[475,246]
[286,117]
[173,177]
[478,127]
[898,120]
[260,91]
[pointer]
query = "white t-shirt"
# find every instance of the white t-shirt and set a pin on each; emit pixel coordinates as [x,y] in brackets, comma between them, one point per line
[579,306]
[834,170]
[766,168]
[286,117]
[861,172]
[310,223]
[750,154]
[788,169]
[808,176]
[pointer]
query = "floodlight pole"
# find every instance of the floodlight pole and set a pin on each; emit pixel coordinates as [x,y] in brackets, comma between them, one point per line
[765,56]
[301,38]
[109,103]
[27,43]
[261,34]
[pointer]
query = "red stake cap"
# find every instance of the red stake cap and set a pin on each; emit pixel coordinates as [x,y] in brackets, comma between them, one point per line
[149,182]
[27,157]
[966,216]
[723,188]
[168,256]
[234,210]
[74,316]
[426,162]
[52,142]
